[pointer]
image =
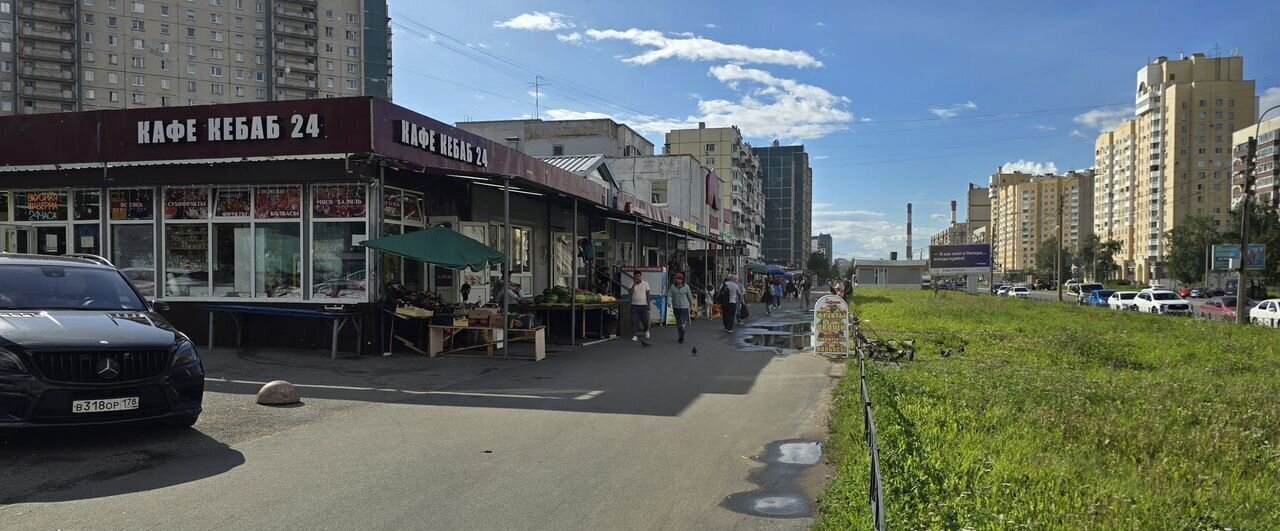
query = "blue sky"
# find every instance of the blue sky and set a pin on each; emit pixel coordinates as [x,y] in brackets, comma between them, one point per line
[896,102]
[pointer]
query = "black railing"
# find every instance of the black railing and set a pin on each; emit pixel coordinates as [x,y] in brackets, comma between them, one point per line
[876,489]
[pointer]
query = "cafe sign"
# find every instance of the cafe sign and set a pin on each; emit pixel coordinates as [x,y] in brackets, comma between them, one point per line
[432,141]
[230,128]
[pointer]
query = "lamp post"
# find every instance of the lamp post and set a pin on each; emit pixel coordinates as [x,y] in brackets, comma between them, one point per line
[1249,166]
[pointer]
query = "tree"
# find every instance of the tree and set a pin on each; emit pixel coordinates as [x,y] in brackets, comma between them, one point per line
[818,265]
[1264,228]
[1046,256]
[1098,257]
[1188,243]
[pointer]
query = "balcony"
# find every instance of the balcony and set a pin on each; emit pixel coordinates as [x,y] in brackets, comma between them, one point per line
[299,49]
[50,15]
[46,54]
[296,31]
[60,34]
[293,66]
[49,93]
[295,82]
[45,72]
[296,14]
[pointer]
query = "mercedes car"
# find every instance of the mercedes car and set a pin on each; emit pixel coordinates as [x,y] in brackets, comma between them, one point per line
[80,346]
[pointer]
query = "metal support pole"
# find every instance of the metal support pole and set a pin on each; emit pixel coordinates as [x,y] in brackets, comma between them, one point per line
[573,307]
[1242,292]
[506,286]
[706,276]
[1058,252]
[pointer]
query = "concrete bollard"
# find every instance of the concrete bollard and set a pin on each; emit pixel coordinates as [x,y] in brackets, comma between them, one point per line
[278,393]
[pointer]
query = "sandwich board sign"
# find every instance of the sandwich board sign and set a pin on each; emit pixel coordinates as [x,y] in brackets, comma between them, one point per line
[831,326]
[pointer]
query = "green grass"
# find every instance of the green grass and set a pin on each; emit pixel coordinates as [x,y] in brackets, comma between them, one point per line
[1060,417]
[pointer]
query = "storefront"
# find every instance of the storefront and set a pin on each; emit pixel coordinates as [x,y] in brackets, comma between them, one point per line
[268,203]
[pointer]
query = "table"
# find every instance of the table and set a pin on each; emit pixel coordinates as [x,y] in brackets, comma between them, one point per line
[337,320]
[582,310]
[404,341]
[435,343]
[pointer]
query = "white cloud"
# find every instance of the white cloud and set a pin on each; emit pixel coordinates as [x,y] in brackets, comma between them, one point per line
[954,110]
[1076,133]
[1270,98]
[1045,128]
[819,24]
[818,157]
[571,38]
[862,233]
[1032,167]
[940,217]
[536,21]
[1104,119]
[694,48]
[565,114]
[710,26]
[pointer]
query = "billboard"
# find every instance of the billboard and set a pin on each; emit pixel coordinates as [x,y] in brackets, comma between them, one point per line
[959,259]
[1255,259]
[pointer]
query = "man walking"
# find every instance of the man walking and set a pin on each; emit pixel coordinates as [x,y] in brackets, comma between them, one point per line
[805,288]
[681,298]
[730,294]
[639,307]
[777,292]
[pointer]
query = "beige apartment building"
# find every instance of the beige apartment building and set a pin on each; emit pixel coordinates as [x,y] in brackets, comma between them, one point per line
[1173,159]
[70,55]
[1266,184]
[1025,212]
[741,178]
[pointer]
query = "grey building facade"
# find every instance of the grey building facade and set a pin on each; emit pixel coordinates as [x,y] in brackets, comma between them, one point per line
[554,138]
[788,204]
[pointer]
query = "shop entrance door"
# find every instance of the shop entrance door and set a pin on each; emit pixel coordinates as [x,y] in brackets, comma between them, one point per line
[563,259]
[478,280]
[19,239]
[51,240]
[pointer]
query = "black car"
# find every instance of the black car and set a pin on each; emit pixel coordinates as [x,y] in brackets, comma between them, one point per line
[80,346]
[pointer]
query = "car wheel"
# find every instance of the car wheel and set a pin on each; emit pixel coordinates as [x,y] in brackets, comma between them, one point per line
[181,423]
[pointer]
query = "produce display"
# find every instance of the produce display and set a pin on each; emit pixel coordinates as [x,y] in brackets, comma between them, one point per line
[427,300]
[562,295]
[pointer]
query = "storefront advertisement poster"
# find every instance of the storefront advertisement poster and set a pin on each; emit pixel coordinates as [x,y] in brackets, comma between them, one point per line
[278,203]
[831,325]
[40,206]
[232,204]
[186,203]
[339,201]
[132,204]
[392,208]
[413,207]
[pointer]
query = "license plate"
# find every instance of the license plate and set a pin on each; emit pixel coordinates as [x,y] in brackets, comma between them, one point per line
[104,405]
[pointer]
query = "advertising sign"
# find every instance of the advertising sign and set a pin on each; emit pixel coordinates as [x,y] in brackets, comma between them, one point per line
[232,203]
[959,259]
[40,206]
[186,203]
[278,203]
[1255,259]
[339,201]
[831,326]
[132,204]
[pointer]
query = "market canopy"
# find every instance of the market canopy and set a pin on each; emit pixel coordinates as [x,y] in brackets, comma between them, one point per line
[441,247]
[757,267]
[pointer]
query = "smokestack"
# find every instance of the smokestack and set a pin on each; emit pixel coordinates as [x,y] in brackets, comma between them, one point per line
[909,231]
[953,213]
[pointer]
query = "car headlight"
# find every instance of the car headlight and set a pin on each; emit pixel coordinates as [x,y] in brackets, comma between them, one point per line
[184,352]
[10,362]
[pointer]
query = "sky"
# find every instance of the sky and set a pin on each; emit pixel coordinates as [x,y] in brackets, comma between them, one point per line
[895,102]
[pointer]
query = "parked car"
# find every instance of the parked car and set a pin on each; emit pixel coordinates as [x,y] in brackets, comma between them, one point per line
[1220,309]
[1004,290]
[1215,292]
[1157,287]
[1183,292]
[1082,291]
[1122,300]
[1098,298]
[1070,282]
[79,345]
[1161,301]
[1042,283]
[1266,313]
[1021,292]
[1198,293]
[995,288]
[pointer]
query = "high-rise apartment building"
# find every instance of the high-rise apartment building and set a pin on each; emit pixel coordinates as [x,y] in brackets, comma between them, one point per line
[1266,184]
[722,150]
[822,243]
[69,55]
[978,210]
[788,203]
[1173,159]
[1025,213]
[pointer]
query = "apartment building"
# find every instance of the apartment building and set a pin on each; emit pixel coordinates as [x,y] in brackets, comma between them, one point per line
[70,55]
[978,212]
[555,138]
[822,243]
[1173,159]
[723,150]
[1025,212]
[788,193]
[1266,189]
[956,234]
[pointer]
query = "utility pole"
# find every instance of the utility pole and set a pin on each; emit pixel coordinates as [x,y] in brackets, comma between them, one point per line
[1058,252]
[1249,167]
[537,96]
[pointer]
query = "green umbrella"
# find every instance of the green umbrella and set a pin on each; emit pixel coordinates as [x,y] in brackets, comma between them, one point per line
[757,267]
[439,246]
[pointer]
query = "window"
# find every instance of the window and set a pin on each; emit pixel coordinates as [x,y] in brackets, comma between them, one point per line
[191,69]
[328,65]
[239,57]
[215,18]
[711,161]
[262,93]
[351,35]
[132,212]
[164,29]
[139,99]
[191,33]
[557,150]
[217,89]
[113,96]
[139,81]
[353,51]
[215,36]
[658,192]
[240,74]
[139,62]
[191,85]
[258,76]
[238,39]
[217,54]
[328,47]
[239,91]
[258,42]
[112,40]
[112,22]
[164,83]
[351,68]
[351,18]
[164,10]
[88,75]
[113,78]
[88,18]
[215,71]
[328,31]
[191,15]
[137,25]
[351,85]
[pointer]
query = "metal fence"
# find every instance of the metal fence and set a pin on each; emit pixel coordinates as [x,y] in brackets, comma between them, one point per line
[869,428]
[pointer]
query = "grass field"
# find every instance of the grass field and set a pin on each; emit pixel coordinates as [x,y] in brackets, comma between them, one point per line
[1060,417]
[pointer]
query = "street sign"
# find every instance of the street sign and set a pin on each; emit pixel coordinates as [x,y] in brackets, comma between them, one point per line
[959,259]
[831,326]
[1224,255]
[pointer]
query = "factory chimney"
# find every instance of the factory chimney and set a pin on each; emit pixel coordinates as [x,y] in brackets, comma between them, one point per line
[909,255]
[953,213]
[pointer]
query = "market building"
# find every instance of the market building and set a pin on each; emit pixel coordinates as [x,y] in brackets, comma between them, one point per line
[268,204]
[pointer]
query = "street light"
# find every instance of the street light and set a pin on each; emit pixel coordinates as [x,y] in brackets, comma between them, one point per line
[1250,165]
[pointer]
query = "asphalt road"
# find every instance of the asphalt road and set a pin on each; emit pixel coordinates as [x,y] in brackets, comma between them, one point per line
[614,436]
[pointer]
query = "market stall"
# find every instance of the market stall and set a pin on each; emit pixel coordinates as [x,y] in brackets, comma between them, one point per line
[581,315]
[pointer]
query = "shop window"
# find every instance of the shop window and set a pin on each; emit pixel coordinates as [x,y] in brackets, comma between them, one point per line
[401,212]
[4,206]
[232,268]
[186,260]
[338,268]
[40,205]
[277,260]
[88,205]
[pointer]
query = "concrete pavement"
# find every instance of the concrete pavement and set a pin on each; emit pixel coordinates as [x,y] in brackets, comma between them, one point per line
[614,436]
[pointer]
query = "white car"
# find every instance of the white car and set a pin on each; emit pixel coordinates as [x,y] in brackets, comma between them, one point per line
[1003,291]
[1122,300]
[1066,286]
[1163,302]
[1020,292]
[1266,313]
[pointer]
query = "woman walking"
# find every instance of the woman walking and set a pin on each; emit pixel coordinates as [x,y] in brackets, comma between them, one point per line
[681,301]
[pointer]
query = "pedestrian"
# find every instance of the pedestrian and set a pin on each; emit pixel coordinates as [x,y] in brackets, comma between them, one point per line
[639,307]
[805,287]
[777,292]
[728,297]
[766,297]
[681,301]
[791,289]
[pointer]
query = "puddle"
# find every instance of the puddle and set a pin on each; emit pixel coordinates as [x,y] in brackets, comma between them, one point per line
[779,494]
